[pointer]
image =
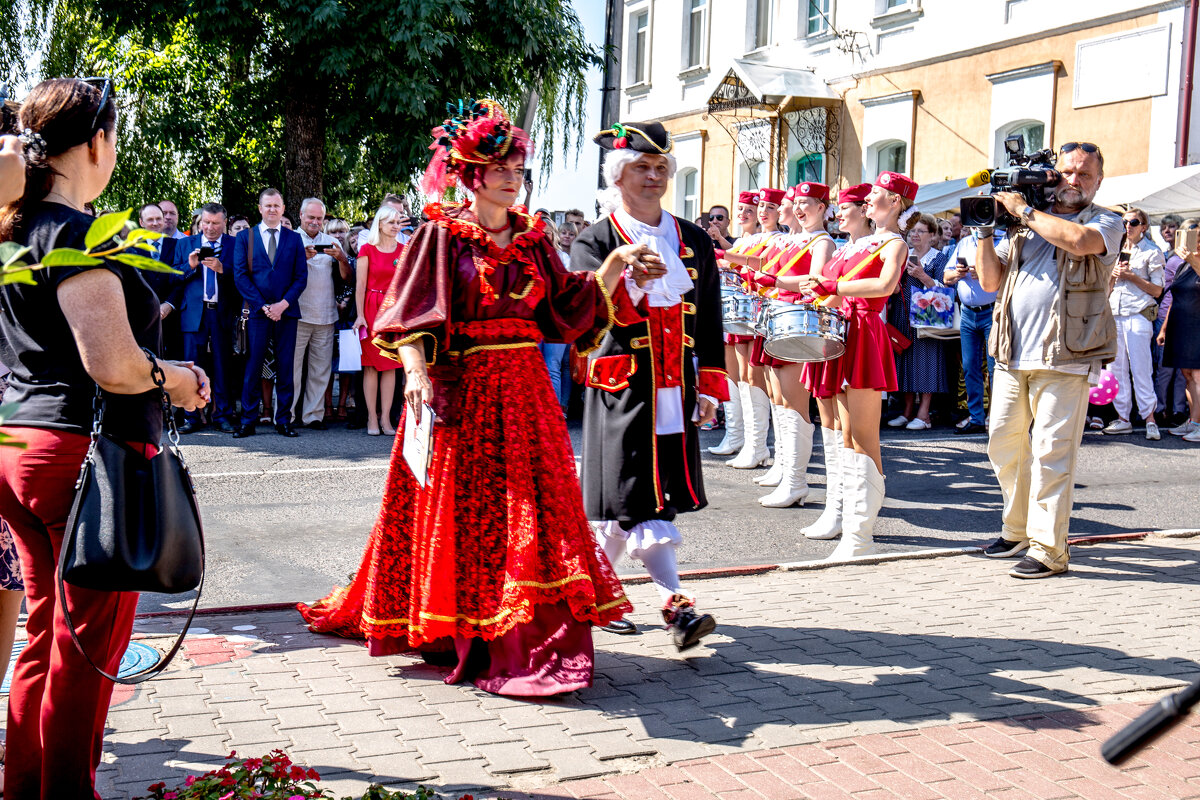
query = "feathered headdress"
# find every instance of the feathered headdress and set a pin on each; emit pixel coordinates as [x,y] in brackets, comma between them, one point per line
[476,132]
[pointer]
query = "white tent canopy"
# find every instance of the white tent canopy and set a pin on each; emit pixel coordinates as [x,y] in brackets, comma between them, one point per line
[934,198]
[1165,191]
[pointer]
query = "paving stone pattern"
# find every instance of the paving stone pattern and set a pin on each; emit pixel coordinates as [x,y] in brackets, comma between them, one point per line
[880,680]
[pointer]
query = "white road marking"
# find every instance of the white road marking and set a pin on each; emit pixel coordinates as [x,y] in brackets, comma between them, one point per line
[262,473]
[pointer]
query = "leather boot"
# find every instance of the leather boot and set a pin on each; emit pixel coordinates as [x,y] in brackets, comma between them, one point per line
[754,452]
[772,476]
[860,480]
[829,524]
[797,449]
[686,627]
[734,422]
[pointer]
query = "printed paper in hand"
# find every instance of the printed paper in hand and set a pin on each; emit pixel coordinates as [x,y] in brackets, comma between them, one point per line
[349,352]
[418,443]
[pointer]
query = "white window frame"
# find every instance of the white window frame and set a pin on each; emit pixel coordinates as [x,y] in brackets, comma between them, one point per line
[907,11]
[702,56]
[806,17]
[688,204]
[753,45]
[633,79]
[875,157]
[1008,129]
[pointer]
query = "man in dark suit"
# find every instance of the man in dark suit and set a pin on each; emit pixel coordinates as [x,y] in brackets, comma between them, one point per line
[270,270]
[150,217]
[208,304]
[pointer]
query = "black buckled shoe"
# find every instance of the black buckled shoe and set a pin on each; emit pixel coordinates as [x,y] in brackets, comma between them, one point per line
[286,429]
[244,431]
[621,627]
[687,627]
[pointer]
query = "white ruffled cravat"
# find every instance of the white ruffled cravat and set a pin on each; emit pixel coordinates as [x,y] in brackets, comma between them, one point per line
[663,240]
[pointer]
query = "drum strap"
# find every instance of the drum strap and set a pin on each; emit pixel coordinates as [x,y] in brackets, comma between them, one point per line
[852,274]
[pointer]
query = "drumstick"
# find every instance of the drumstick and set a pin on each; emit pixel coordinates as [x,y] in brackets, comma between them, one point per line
[754,262]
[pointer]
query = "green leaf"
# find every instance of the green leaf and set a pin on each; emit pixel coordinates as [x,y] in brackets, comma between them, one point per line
[141,262]
[17,276]
[10,253]
[146,246]
[68,257]
[106,227]
[7,440]
[142,235]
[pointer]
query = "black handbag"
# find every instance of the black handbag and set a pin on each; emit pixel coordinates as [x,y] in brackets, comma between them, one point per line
[241,342]
[134,525]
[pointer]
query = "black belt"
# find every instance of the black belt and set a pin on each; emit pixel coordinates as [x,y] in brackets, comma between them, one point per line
[979,308]
[210,305]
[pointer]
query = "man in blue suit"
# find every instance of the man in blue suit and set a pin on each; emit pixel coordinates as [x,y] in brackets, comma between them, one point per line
[150,217]
[208,303]
[270,270]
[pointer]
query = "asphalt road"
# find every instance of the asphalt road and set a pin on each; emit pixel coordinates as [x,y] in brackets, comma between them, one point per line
[286,519]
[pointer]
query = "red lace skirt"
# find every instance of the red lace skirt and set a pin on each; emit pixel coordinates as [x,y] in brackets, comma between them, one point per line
[498,537]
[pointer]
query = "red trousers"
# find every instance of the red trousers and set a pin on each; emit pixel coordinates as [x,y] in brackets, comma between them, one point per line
[57,703]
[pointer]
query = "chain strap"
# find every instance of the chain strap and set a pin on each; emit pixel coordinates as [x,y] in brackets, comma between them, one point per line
[160,379]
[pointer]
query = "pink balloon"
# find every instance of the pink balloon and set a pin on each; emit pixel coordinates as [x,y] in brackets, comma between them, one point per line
[1105,391]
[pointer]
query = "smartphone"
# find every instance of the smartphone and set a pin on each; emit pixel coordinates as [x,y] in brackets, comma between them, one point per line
[705,221]
[962,263]
[321,248]
[1187,240]
[529,176]
[1123,258]
[207,252]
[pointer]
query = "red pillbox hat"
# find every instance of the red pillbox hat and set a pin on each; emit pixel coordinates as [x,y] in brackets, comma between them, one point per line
[902,185]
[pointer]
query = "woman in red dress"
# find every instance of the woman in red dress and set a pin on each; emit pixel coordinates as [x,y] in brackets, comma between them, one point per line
[791,256]
[824,378]
[867,273]
[491,566]
[377,260]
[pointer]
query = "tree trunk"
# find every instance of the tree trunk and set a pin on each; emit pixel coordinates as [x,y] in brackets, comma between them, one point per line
[304,148]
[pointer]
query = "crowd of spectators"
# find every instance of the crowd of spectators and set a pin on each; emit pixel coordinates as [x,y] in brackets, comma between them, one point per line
[305,359]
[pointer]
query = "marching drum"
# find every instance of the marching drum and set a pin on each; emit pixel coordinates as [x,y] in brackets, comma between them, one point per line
[738,310]
[803,332]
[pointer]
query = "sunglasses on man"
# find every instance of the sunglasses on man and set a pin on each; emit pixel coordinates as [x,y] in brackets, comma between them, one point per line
[717,217]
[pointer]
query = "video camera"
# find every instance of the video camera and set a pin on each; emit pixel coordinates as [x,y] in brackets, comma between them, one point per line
[1031,175]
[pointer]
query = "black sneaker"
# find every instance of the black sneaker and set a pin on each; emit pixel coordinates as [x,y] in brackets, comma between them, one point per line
[1003,548]
[621,627]
[1029,567]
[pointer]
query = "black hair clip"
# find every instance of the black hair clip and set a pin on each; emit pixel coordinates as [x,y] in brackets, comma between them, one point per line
[35,145]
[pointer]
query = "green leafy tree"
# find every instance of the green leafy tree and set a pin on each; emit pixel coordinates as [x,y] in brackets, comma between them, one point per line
[329,98]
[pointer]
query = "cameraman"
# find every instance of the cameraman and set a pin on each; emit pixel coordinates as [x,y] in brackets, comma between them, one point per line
[1052,329]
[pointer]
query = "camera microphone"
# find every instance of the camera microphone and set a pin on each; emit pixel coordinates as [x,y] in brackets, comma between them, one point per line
[980,178]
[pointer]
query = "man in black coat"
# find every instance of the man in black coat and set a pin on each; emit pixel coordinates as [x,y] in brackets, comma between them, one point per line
[644,397]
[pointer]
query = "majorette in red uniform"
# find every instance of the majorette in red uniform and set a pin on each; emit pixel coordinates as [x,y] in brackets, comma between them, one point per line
[491,566]
[864,274]
[754,452]
[791,256]
[746,439]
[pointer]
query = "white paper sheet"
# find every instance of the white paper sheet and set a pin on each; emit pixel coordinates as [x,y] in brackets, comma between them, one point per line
[418,443]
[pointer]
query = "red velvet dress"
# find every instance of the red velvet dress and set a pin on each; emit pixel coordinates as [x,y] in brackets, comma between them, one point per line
[868,362]
[380,269]
[493,559]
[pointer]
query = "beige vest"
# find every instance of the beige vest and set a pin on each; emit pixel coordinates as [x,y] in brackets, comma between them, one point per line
[1082,328]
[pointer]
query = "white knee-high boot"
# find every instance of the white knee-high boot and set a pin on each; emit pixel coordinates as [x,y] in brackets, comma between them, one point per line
[829,524]
[863,497]
[734,422]
[754,452]
[772,476]
[793,486]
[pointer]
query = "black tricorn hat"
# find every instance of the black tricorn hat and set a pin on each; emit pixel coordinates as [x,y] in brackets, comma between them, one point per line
[641,137]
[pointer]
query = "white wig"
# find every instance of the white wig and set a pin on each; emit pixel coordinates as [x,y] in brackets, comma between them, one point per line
[615,162]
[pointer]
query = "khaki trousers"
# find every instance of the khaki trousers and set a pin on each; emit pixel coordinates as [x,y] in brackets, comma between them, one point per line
[317,340]
[1037,419]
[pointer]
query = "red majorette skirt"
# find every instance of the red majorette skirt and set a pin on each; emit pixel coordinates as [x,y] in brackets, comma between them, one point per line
[868,362]
[496,548]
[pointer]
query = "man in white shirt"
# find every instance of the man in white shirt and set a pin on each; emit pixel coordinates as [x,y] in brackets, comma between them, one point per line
[318,316]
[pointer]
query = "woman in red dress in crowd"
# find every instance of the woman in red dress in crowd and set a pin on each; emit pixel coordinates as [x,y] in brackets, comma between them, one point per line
[864,274]
[491,567]
[377,260]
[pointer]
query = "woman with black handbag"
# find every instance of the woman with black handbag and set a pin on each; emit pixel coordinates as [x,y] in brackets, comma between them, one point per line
[73,329]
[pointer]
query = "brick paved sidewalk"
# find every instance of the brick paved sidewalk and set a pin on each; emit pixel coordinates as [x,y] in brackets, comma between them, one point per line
[929,678]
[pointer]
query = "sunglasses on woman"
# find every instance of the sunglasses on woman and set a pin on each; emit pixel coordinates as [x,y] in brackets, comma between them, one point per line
[105,85]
